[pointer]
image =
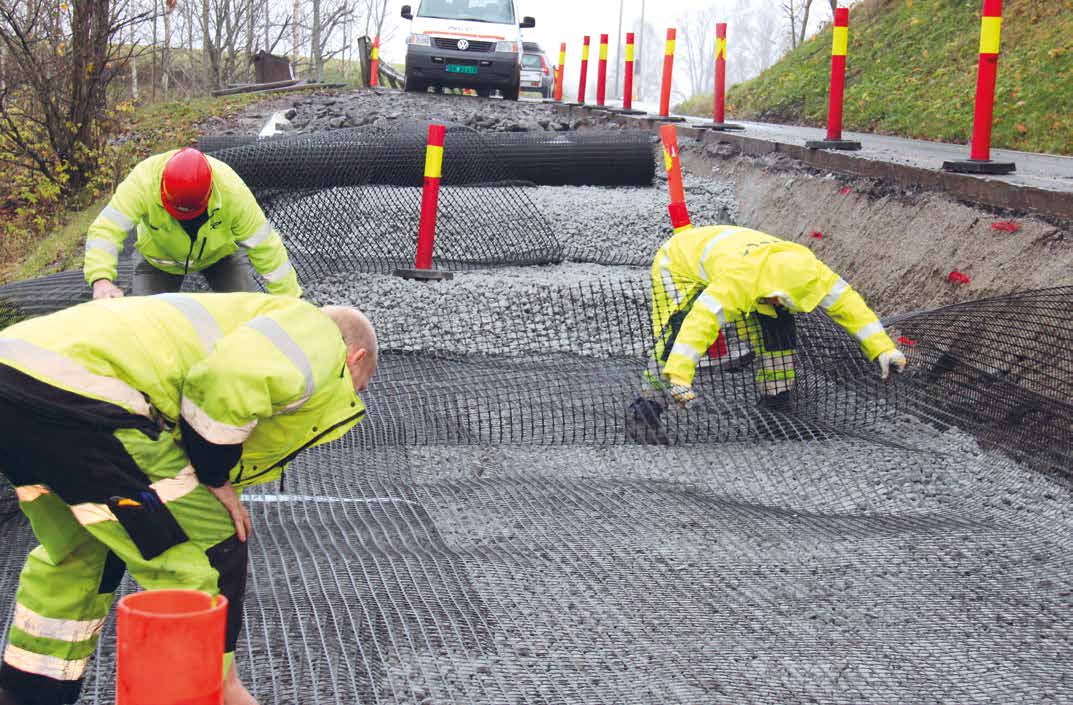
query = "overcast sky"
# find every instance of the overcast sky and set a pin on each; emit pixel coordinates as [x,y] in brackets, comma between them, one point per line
[568,20]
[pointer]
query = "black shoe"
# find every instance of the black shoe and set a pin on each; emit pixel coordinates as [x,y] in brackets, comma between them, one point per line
[643,423]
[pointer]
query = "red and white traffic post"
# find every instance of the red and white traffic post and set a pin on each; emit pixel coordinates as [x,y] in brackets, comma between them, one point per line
[560,73]
[979,161]
[668,77]
[719,102]
[430,202]
[839,50]
[584,70]
[601,75]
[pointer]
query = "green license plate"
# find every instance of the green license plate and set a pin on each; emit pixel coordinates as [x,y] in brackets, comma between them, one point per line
[455,68]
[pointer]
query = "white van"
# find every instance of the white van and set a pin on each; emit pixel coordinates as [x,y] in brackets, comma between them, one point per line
[465,44]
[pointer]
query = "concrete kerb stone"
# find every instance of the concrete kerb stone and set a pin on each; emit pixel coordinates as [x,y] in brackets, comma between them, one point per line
[989,192]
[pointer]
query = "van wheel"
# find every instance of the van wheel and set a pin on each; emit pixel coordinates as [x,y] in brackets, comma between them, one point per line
[484,92]
[511,92]
[413,86]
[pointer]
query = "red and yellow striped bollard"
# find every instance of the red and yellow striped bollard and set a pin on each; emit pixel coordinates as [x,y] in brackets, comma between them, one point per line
[979,161]
[374,64]
[430,201]
[719,103]
[627,86]
[561,73]
[668,78]
[584,70]
[601,76]
[839,51]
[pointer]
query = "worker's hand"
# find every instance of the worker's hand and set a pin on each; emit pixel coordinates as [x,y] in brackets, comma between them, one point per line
[683,395]
[889,359]
[229,498]
[104,289]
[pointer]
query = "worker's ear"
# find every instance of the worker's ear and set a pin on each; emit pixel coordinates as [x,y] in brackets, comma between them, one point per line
[355,355]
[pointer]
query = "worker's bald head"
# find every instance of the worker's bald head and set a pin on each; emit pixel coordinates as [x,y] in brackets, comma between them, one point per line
[359,336]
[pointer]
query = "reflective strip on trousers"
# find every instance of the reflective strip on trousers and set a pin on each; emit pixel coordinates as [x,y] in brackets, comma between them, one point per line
[257,238]
[278,274]
[711,246]
[162,262]
[48,666]
[169,490]
[869,330]
[55,368]
[106,246]
[210,429]
[118,217]
[208,331]
[69,630]
[686,351]
[291,350]
[834,295]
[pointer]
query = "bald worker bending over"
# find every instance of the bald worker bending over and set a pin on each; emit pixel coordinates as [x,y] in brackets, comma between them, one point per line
[130,426]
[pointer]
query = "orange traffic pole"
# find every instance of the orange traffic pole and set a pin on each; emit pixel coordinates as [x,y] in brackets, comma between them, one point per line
[979,161]
[719,104]
[668,76]
[673,162]
[839,51]
[561,73]
[627,88]
[374,64]
[430,201]
[170,648]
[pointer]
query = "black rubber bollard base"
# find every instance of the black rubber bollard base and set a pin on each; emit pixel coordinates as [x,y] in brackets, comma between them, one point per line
[722,126]
[974,166]
[425,275]
[668,118]
[845,145]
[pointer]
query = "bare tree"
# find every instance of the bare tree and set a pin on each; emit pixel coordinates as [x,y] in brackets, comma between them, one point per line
[697,34]
[63,58]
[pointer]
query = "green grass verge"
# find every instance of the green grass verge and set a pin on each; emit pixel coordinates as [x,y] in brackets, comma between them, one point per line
[912,72]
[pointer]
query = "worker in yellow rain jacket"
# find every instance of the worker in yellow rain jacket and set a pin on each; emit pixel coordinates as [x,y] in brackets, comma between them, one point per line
[130,425]
[191,213]
[704,279]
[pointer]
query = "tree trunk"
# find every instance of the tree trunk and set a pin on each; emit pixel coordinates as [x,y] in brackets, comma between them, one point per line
[165,51]
[804,20]
[316,62]
[133,66]
[296,37]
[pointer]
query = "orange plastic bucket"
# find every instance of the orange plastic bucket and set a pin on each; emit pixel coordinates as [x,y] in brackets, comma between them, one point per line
[170,648]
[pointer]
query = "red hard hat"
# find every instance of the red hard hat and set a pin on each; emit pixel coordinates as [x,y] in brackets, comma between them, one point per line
[186,184]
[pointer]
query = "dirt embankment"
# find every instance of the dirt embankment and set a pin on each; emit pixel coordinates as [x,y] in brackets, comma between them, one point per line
[897,247]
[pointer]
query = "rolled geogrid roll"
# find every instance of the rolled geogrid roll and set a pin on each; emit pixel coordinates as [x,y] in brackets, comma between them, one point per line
[397,158]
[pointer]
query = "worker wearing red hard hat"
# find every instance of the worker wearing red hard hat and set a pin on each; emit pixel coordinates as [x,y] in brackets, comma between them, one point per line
[190,213]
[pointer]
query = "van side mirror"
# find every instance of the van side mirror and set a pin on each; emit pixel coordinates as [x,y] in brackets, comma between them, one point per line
[527,23]
[407,13]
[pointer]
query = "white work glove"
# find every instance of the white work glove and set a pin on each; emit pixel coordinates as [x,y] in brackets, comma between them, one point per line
[683,395]
[889,359]
[104,289]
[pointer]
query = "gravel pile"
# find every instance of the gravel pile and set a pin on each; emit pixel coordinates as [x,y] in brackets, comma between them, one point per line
[331,111]
[501,311]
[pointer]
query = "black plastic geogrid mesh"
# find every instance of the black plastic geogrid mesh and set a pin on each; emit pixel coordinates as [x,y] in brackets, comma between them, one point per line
[489,535]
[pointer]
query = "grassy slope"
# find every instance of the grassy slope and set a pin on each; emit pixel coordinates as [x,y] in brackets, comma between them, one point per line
[912,72]
[150,129]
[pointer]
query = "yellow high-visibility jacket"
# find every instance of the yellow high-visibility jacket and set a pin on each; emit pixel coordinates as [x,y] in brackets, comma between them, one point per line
[266,372]
[235,221]
[738,269]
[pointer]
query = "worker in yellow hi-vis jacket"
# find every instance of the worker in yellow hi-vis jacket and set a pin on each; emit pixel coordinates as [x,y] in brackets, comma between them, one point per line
[191,213]
[704,279]
[130,426]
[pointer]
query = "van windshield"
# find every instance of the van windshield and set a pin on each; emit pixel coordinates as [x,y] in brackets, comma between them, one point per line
[495,11]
